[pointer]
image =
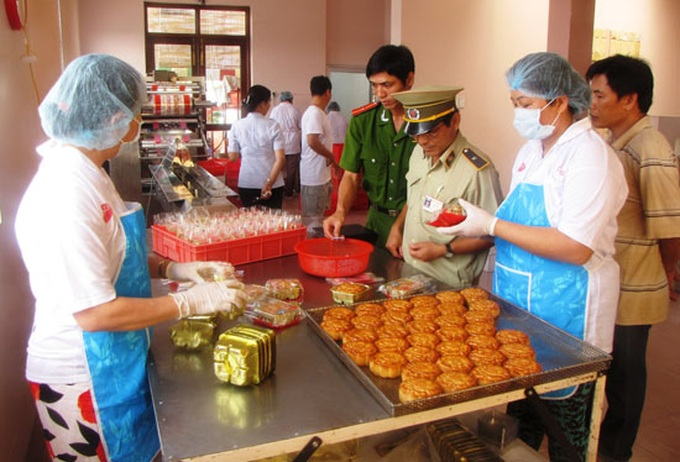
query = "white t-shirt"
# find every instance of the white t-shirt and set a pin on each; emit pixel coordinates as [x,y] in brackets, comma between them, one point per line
[339,126]
[313,168]
[256,137]
[73,245]
[584,188]
[289,119]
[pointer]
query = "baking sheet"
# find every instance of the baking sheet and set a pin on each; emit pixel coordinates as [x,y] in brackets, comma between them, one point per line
[560,354]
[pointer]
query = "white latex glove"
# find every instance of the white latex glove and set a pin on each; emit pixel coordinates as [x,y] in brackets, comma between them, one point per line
[209,297]
[200,271]
[478,223]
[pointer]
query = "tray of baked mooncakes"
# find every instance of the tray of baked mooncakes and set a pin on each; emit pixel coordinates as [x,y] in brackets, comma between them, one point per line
[430,350]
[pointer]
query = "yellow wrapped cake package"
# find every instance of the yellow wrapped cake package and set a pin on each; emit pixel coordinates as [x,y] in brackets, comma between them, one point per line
[245,355]
[193,333]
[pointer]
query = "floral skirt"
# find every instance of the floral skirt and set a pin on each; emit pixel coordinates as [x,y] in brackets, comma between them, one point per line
[69,422]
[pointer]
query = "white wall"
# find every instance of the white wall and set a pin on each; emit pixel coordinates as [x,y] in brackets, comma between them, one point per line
[658,23]
[288,44]
[20,132]
[118,32]
[472,44]
[458,42]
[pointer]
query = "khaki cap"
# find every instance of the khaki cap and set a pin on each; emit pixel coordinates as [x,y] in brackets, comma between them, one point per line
[424,107]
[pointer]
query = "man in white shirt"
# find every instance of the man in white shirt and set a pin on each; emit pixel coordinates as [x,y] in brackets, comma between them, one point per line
[289,118]
[317,156]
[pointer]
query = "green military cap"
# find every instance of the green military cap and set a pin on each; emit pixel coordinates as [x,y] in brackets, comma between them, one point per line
[424,107]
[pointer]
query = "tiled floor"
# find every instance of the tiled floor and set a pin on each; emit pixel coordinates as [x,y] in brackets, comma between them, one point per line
[659,437]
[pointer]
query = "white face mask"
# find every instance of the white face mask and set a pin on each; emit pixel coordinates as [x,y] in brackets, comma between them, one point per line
[126,146]
[528,123]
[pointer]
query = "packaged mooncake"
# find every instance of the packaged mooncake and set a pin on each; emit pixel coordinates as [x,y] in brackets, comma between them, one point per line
[245,355]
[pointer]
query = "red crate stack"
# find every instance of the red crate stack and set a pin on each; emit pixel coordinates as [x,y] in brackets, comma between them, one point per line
[236,252]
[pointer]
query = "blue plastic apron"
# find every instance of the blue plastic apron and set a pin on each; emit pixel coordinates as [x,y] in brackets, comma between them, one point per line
[117,361]
[554,291]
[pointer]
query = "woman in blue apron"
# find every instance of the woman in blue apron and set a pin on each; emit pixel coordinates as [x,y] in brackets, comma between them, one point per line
[85,251]
[555,231]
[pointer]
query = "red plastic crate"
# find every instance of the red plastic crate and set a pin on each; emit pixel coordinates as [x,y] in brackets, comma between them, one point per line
[236,252]
[222,167]
[217,167]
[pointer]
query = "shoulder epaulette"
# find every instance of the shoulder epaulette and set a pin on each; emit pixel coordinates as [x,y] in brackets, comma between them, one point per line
[362,109]
[478,162]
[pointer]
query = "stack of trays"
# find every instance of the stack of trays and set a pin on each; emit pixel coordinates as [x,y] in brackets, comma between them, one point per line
[245,355]
[455,443]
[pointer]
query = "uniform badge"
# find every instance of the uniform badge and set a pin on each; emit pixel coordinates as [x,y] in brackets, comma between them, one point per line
[413,113]
[430,204]
[474,159]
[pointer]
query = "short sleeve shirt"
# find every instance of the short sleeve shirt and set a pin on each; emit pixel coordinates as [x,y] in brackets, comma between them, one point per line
[73,245]
[313,168]
[462,171]
[651,212]
[578,203]
[339,125]
[256,137]
[288,118]
[374,148]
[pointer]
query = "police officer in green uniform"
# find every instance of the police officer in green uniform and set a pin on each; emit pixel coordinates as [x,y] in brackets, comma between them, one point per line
[377,150]
[443,167]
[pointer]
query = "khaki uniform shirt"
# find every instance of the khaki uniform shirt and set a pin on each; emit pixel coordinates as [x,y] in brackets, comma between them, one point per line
[381,154]
[462,171]
[651,212]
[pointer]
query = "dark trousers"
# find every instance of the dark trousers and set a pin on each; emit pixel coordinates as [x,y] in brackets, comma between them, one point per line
[292,174]
[625,391]
[572,416]
[251,196]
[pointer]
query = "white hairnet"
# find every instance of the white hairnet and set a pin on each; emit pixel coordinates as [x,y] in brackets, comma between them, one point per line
[548,75]
[93,102]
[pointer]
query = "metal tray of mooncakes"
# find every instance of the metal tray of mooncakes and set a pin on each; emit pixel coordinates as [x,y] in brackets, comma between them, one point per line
[561,355]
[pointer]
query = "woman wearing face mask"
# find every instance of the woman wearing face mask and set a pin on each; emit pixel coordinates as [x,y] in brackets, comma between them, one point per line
[85,251]
[555,231]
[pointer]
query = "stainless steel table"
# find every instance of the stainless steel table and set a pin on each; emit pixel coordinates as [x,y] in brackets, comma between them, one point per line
[310,394]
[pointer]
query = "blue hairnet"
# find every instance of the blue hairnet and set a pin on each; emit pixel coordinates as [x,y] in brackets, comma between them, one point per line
[548,75]
[93,102]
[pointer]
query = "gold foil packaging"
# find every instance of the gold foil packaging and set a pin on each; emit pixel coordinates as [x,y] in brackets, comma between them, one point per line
[193,333]
[245,355]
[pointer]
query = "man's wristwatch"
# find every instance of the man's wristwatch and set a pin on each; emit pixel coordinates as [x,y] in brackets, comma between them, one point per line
[449,250]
